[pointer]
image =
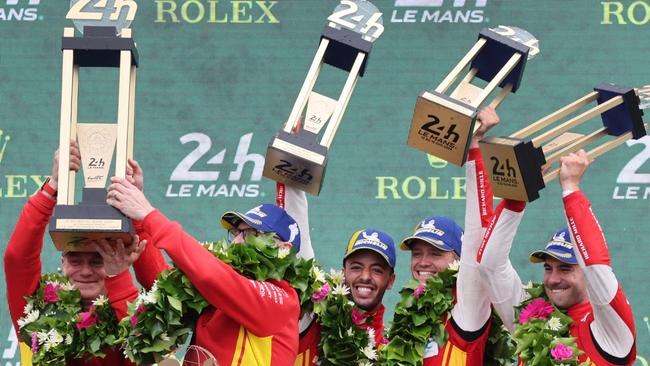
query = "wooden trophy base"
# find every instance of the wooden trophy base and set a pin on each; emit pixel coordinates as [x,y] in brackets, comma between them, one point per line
[442,127]
[74,227]
[296,160]
[514,167]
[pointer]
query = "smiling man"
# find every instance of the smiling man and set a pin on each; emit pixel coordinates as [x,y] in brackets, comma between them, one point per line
[101,269]
[438,241]
[578,277]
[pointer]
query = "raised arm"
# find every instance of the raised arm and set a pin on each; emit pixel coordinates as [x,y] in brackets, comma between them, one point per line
[613,325]
[472,309]
[22,257]
[294,201]
[262,307]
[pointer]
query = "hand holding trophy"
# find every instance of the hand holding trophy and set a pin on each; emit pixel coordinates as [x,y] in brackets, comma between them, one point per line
[515,164]
[295,157]
[443,125]
[105,42]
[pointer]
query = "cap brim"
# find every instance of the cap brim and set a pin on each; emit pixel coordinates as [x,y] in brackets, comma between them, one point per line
[368,248]
[231,219]
[540,256]
[406,243]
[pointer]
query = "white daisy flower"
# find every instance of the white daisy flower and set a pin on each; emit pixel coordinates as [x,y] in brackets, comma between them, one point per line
[68,339]
[554,324]
[318,274]
[341,289]
[150,297]
[100,301]
[371,338]
[528,285]
[42,337]
[31,317]
[68,286]
[337,276]
[369,352]
[350,332]
[154,288]
[283,252]
[28,307]
[455,265]
[53,339]
[164,337]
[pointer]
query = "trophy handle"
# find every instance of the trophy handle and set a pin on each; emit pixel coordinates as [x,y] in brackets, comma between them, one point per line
[453,75]
[498,78]
[344,99]
[124,110]
[553,117]
[595,152]
[307,86]
[578,120]
[68,126]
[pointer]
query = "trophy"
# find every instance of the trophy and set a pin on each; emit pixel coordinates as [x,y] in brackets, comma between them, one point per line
[443,125]
[515,165]
[105,42]
[295,156]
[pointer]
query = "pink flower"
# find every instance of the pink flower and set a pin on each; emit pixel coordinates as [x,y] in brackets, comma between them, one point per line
[134,318]
[322,293]
[34,342]
[50,294]
[561,352]
[536,309]
[358,317]
[419,291]
[87,320]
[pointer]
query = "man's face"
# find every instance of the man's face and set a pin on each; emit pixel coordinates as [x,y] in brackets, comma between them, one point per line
[368,276]
[427,260]
[564,283]
[245,230]
[86,271]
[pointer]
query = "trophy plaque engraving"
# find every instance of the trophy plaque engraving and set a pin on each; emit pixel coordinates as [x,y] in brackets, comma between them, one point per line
[295,156]
[443,125]
[106,42]
[514,163]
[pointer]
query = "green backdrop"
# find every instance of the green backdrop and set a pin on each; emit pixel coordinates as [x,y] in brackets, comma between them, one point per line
[224,75]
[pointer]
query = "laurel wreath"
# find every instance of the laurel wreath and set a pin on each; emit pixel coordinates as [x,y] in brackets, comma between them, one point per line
[161,318]
[421,316]
[540,335]
[58,330]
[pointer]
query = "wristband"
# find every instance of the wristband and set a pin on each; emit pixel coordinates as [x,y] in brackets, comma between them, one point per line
[48,189]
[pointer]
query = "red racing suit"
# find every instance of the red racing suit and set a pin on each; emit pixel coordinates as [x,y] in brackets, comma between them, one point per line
[604,325]
[23,266]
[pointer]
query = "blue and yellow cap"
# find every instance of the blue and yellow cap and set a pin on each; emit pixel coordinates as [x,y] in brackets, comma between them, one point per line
[560,248]
[267,218]
[375,240]
[439,231]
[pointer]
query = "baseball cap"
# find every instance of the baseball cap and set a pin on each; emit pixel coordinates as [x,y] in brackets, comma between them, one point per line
[560,248]
[267,218]
[375,240]
[439,231]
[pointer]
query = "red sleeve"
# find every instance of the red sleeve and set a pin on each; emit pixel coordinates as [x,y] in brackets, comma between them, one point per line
[23,255]
[592,247]
[120,290]
[151,261]
[484,188]
[262,307]
[584,226]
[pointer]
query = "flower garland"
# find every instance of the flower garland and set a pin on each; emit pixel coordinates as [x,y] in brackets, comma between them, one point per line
[343,341]
[421,315]
[58,330]
[542,333]
[161,319]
